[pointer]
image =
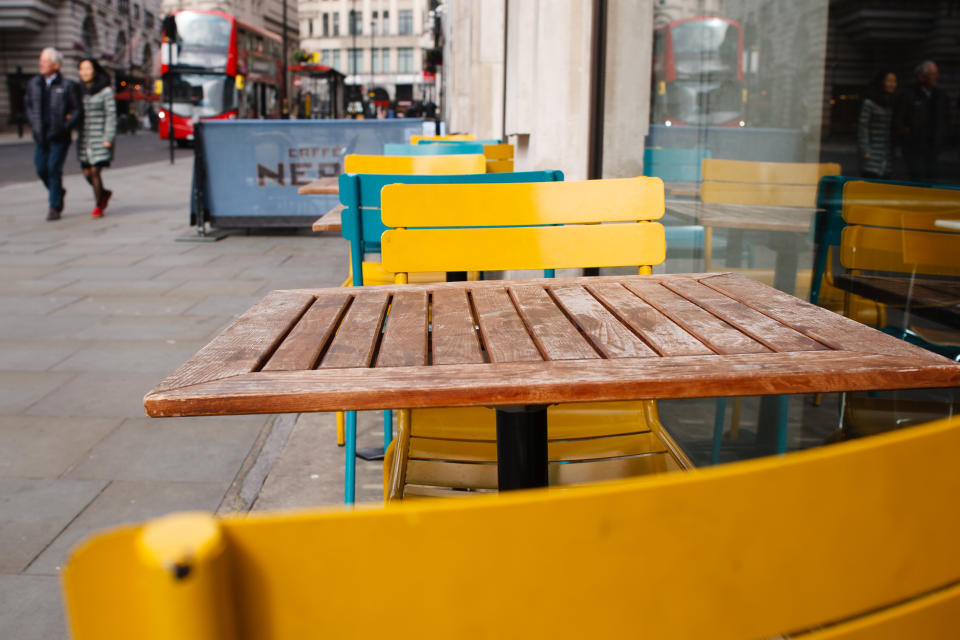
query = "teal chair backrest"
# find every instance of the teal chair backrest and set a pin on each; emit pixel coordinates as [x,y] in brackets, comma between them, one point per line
[360,196]
[395,149]
[674,165]
[828,223]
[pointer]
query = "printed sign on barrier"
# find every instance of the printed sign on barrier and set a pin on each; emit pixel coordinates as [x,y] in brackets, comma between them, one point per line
[254,168]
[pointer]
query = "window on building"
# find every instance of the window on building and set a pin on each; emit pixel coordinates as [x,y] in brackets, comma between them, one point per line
[325,57]
[148,19]
[385,24]
[123,6]
[404,59]
[326,25]
[309,27]
[136,12]
[336,24]
[373,23]
[336,59]
[354,60]
[356,23]
[385,61]
[405,22]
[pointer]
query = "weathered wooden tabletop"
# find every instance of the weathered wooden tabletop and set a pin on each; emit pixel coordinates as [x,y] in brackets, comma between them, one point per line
[330,221]
[743,216]
[535,342]
[322,186]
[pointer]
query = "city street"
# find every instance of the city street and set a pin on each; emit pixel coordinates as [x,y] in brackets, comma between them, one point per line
[16,157]
[93,314]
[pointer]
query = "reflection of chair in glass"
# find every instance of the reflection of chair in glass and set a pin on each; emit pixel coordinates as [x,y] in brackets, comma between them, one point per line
[896,253]
[846,542]
[437,450]
[361,227]
[674,165]
[895,231]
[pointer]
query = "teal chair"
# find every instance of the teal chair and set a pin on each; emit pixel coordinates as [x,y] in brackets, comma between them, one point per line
[674,165]
[394,149]
[361,227]
[454,142]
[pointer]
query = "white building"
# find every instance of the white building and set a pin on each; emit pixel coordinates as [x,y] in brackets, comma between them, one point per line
[378,44]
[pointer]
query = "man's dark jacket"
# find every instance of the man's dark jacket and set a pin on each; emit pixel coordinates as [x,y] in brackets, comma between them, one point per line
[65,108]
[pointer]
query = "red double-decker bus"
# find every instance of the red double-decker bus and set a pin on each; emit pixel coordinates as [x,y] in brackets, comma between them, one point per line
[698,73]
[219,68]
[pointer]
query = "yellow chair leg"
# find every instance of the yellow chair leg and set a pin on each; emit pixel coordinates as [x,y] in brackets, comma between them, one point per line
[707,248]
[341,429]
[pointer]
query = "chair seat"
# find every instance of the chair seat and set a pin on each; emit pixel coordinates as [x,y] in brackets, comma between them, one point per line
[374,274]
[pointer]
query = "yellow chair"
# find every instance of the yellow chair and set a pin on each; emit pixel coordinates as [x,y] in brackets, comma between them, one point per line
[499,157]
[855,541]
[424,165]
[443,451]
[453,137]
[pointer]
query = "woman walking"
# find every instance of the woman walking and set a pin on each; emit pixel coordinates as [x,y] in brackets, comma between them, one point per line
[95,145]
[875,133]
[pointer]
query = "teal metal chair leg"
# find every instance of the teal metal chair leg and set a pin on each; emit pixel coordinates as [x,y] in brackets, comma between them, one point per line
[350,461]
[783,406]
[718,421]
[387,428]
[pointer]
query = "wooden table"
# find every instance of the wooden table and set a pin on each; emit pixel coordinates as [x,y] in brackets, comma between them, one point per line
[789,225]
[937,300]
[523,344]
[330,221]
[322,186]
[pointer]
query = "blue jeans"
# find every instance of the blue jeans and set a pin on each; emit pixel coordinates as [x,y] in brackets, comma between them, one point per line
[48,158]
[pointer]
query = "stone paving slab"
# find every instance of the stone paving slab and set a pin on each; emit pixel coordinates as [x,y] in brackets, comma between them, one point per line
[32,608]
[17,327]
[124,502]
[95,394]
[35,355]
[34,447]
[159,328]
[21,389]
[34,511]
[172,450]
[128,305]
[156,357]
[24,305]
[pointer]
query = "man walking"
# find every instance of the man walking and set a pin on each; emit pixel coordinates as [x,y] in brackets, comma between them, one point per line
[922,122]
[54,107]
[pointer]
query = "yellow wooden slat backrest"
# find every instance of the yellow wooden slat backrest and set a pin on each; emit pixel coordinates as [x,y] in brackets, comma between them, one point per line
[900,250]
[423,165]
[498,151]
[747,550]
[900,206]
[487,235]
[499,166]
[452,136]
[786,184]
[767,172]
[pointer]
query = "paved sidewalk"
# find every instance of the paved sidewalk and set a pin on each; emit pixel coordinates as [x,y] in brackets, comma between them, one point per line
[93,313]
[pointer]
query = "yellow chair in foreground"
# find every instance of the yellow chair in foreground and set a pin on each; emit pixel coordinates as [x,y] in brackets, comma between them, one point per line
[441,452]
[855,541]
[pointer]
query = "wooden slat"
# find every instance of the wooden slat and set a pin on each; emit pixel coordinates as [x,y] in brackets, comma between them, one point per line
[245,344]
[765,330]
[898,290]
[808,173]
[549,327]
[668,338]
[357,337]
[405,338]
[603,329]
[820,324]
[510,383]
[505,337]
[759,194]
[710,330]
[321,186]
[454,337]
[303,345]
[624,199]
[899,250]
[632,444]
[739,216]
[555,247]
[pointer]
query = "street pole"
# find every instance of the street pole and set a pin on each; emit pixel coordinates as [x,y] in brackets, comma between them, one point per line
[283,88]
[373,60]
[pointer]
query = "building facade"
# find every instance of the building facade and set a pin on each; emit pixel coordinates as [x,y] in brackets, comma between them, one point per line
[123,34]
[379,44]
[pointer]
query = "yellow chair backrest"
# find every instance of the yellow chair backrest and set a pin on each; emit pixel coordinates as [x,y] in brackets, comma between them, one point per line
[894,228]
[855,541]
[452,136]
[792,184]
[484,225]
[499,157]
[423,165]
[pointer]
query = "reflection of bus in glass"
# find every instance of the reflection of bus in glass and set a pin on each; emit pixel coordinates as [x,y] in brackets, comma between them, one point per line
[698,73]
[219,68]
